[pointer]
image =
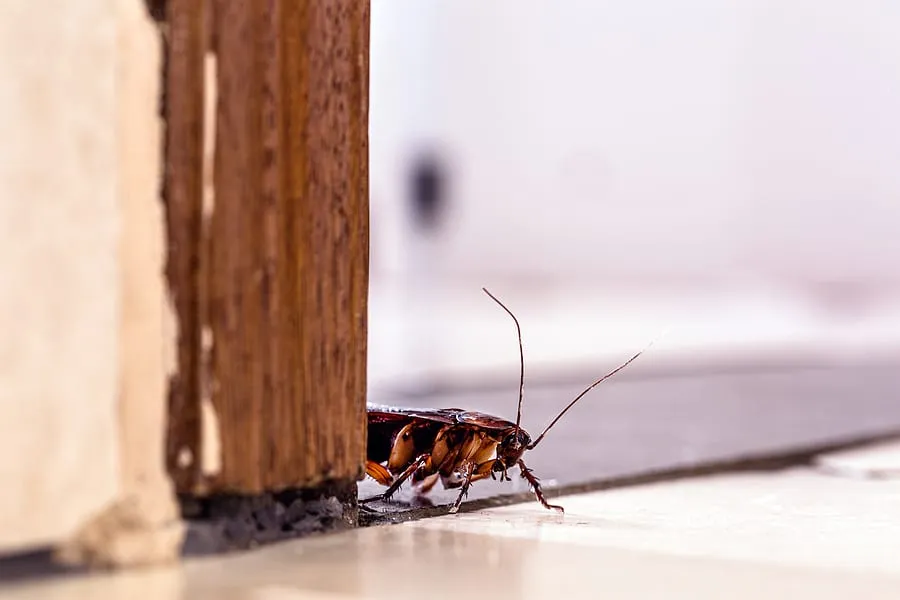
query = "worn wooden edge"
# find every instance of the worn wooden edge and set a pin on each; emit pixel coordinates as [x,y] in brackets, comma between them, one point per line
[184,54]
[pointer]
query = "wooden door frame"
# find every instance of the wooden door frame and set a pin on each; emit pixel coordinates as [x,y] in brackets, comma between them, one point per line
[267,254]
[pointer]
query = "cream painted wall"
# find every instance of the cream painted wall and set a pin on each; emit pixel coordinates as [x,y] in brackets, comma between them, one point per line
[86,340]
[59,300]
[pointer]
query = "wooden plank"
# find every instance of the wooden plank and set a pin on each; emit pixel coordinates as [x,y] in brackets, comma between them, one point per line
[183,192]
[288,266]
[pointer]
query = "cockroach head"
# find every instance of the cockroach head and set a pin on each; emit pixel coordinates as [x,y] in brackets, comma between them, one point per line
[512,447]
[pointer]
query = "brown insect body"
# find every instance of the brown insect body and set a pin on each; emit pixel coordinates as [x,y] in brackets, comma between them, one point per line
[455,446]
[450,445]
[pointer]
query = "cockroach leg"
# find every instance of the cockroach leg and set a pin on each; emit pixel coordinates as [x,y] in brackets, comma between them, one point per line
[464,491]
[378,472]
[536,487]
[504,475]
[412,468]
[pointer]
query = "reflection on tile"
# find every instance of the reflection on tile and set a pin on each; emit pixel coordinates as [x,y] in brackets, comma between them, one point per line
[415,562]
[797,518]
[741,536]
[879,461]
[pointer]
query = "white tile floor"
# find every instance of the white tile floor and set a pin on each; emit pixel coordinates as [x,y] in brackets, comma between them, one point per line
[796,534]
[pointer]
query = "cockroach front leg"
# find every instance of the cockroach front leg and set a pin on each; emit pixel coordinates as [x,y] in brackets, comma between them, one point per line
[464,491]
[536,487]
[504,476]
[406,474]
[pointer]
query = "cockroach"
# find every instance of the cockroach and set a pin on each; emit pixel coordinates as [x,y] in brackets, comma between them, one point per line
[455,445]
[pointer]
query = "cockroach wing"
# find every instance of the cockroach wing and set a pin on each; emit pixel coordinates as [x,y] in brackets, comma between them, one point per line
[378,413]
[484,421]
[379,416]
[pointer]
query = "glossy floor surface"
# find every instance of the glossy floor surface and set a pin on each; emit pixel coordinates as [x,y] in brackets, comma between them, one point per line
[830,530]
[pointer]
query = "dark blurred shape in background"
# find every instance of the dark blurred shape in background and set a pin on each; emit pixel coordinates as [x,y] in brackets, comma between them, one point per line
[428,191]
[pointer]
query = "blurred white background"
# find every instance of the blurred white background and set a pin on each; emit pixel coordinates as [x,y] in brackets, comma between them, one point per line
[725,170]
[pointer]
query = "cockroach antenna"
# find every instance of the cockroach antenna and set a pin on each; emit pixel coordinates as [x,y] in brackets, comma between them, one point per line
[592,386]
[521,359]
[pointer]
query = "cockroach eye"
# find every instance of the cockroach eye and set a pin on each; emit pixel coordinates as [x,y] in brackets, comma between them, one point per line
[524,438]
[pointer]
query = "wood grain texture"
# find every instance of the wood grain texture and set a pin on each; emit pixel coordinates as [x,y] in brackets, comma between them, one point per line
[288,264]
[182,193]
